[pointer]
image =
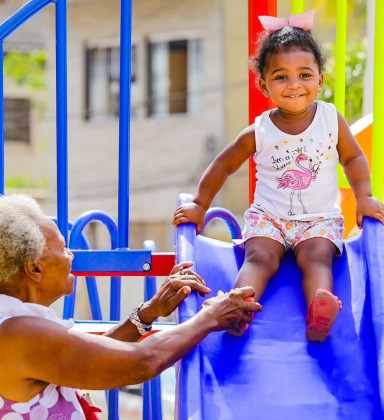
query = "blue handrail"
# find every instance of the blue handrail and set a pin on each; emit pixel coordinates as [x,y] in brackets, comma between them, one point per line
[69,301]
[76,234]
[228,217]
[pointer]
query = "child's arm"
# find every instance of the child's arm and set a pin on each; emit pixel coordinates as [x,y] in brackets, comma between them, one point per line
[356,169]
[215,176]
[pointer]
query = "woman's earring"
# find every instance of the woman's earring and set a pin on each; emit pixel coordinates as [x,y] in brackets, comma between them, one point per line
[266,93]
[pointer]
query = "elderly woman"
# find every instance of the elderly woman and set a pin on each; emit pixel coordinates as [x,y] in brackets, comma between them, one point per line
[43,360]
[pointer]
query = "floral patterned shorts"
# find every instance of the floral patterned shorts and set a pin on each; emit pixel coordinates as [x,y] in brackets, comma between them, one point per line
[261,223]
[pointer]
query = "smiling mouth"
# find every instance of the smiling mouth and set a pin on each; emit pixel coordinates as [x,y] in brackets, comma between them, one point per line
[294,96]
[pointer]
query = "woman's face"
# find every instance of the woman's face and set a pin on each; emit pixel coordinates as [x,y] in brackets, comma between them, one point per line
[55,264]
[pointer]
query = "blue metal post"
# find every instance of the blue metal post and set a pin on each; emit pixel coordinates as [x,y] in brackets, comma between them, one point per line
[150,281]
[61,117]
[124,122]
[152,405]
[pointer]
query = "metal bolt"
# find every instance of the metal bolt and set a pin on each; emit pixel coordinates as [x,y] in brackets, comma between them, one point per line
[146,266]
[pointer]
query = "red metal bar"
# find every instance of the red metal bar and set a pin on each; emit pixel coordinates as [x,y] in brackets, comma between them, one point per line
[258,103]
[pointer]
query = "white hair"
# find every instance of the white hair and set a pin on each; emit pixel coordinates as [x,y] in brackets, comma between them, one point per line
[21,240]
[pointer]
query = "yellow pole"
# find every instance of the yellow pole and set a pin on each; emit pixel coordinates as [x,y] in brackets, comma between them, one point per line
[297,6]
[340,78]
[378,105]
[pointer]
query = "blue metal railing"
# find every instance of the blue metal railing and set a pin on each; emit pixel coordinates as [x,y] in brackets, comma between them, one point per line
[74,242]
[227,217]
[93,295]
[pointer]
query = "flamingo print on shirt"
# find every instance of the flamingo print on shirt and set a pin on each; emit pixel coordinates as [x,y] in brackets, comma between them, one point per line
[298,179]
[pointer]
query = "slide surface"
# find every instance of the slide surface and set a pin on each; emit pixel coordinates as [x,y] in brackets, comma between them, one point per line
[273,372]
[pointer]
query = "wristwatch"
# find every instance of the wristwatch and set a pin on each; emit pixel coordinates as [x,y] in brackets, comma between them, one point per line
[135,319]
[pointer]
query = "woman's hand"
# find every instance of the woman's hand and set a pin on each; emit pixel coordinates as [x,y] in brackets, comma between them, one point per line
[232,308]
[173,291]
[190,213]
[369,206]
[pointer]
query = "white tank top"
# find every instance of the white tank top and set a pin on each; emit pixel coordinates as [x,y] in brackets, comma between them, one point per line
[297,175]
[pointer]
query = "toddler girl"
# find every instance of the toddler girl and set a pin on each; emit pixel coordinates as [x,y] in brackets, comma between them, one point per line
[296,147]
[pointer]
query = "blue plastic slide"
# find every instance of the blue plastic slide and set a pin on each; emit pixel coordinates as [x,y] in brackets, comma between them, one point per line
[272,372]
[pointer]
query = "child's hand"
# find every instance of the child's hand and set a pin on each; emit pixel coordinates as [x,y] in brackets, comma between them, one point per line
[190,213]
[369,206]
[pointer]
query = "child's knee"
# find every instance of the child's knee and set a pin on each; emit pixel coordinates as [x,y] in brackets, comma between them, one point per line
[263,257]
[315,252]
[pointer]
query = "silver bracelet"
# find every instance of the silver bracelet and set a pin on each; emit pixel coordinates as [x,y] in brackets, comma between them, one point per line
[135,319]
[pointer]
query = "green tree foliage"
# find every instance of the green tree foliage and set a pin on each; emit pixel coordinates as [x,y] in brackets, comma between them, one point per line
[355,67]
[25,182]
[27,69]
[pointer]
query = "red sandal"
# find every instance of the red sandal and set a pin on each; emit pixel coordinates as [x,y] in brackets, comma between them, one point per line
[322,314]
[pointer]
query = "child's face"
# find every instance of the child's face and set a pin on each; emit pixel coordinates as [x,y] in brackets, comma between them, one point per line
[292,81]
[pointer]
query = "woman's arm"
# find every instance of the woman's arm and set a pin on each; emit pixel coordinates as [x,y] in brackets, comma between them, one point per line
[356,169]
[215,176]
[37,351]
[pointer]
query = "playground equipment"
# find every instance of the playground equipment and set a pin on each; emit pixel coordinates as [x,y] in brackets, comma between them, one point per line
[335,381]
[273,372]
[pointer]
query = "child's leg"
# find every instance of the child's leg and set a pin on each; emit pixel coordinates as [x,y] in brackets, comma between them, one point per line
[314,258]
[262,260]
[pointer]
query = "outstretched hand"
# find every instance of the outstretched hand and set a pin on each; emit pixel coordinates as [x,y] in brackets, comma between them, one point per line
[190,213]
[180,283]
[369,206]
[231,309]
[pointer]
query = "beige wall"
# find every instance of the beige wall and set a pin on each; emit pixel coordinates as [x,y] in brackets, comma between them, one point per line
[29,160]
[22,158]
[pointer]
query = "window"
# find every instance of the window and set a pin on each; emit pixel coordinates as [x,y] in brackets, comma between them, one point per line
[103,83]
[174,77]
[16,120]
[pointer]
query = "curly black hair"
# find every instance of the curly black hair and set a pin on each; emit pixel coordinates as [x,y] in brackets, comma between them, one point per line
[286,39]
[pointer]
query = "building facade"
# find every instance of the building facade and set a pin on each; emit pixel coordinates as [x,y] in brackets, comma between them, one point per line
[26,160]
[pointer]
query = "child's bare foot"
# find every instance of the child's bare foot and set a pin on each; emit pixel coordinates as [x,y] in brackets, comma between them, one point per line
[322,314]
